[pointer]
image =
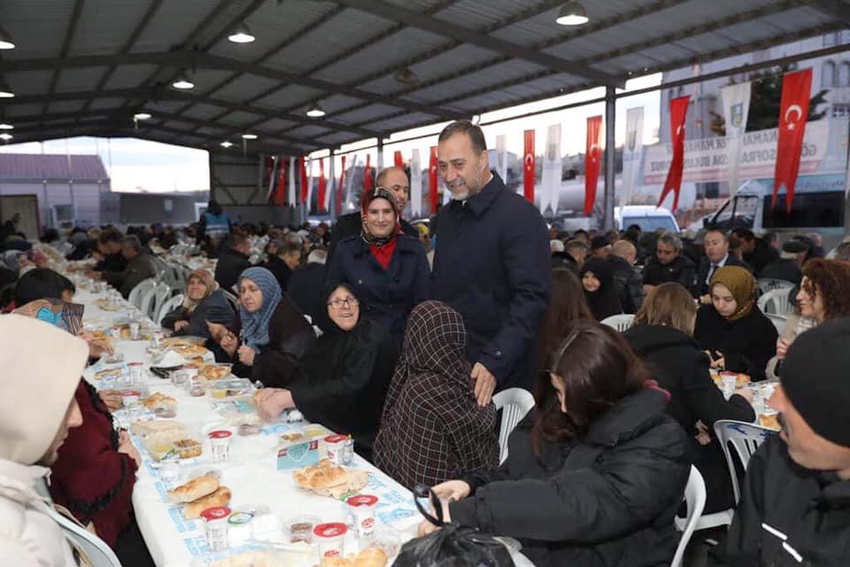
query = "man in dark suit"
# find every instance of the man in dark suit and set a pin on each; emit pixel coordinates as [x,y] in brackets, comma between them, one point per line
[757,252]
[716,256]
[285,258]
[232,261]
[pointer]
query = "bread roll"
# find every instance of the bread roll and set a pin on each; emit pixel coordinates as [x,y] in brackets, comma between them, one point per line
[371,557]
[220,497]
[194,489]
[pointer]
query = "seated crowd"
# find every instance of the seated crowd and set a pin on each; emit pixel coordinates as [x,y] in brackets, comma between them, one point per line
[354,328]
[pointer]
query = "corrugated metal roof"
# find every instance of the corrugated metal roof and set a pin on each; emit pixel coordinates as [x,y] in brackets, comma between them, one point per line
[345,55]
[39,167]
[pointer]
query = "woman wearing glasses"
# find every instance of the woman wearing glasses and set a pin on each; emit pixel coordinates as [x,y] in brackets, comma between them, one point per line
[342,380]
[595,474]
[385,267]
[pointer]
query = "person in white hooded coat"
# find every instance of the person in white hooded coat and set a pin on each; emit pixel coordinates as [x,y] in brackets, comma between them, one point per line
[42,365]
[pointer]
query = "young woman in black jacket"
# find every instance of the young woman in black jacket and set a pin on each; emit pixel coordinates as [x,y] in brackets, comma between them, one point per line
[595,476]
[662,337]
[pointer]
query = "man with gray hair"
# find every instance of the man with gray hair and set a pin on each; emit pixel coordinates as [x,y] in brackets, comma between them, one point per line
[285,259]
[626,279]
[139,266]
[668,264]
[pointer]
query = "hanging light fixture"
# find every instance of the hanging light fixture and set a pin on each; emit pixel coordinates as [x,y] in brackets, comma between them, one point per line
[5,136]
[242,34]
[6,126]
[6,40]
[141,116]
[406,77]
[572,14]
[5,90]
[183,83]
[249,136]
[226,144]
[315,111]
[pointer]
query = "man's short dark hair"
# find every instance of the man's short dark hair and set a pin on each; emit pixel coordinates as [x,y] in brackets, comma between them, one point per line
[132,241]
[235,238]
[717,229]
[38,283]
[744,234]
[289,244]
[476,135]
[110,235]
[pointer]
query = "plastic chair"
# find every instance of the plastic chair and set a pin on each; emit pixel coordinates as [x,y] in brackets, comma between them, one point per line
[621,323]
[146,299]
[776,302]
[515,403]
[161,294]
[695,496]
[136,293]
[100,554]
[168,306]
[746,439]
[777,320]
[769,284]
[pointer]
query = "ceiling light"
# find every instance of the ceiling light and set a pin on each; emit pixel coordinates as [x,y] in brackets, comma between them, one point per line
[315,111]
[183,83]
[249,136]
[241,35]
[5,136]
[6,126]
[6,40]
[141,116]
[5,90]
[407,77]
[226,144]
[572,14]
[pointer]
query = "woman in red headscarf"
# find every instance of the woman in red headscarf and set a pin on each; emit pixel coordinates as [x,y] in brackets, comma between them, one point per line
[386,268]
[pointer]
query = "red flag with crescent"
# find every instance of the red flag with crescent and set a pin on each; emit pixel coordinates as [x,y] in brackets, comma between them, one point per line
[302,172]
[528,166]
[367,174]
[793,113]
[592,162]
[399,161]
[340,189]
[279,193]
[432,180]
[323,187]
[678,113]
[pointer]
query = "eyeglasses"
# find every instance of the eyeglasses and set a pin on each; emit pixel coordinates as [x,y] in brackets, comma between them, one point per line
[348,302]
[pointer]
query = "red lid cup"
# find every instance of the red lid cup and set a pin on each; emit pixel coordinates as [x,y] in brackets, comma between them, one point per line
[135,364]
[213,514]
[220,434]
[130,393]
[191,366]
[336,438]
[362,500]
[330,531]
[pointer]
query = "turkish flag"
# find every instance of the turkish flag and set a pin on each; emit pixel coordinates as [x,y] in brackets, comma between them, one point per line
[793,113]
[302,172]
[399,161]
[367,174]
[279,194]
[322,184]
[592,162]
[528,166]
[432,180]
[340,189]
[678,112]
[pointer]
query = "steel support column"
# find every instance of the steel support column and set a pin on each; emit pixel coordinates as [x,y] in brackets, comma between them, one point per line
[610,152]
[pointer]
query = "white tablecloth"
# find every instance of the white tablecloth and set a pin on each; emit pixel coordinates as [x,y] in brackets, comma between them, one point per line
[250,472]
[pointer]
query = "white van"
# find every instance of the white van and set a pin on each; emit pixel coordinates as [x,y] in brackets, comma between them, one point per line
[647,217]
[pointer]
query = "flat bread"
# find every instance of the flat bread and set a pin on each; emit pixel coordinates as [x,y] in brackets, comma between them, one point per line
[221,497]
[182,341]
[770,421]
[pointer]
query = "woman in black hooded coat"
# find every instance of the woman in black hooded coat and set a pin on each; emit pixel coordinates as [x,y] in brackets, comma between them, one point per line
[599,289]
[342,381]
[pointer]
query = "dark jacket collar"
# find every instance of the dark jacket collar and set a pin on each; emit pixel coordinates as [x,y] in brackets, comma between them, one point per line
[628,419]
[404,243]
[481,201]
[236,253]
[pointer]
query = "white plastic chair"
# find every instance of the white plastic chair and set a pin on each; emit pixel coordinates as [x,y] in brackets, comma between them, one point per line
[776,302]
[777,320]
[100,554]
[695,496]
[515,403]
[746,439]
[136,293]
[161,294]
[168,306]
[621,323]
[769,284]
[146,299]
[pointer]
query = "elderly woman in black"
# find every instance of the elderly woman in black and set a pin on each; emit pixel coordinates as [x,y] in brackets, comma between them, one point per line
[203,303]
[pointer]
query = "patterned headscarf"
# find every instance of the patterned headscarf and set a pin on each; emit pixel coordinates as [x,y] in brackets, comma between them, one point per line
[66,316]
[255,326]
[379,193]
[741,285]
[208,280]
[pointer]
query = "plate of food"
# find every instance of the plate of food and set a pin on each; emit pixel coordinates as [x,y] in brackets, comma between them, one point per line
[199,494]
[190,351]
[741,379]
[328,479]
[214,372]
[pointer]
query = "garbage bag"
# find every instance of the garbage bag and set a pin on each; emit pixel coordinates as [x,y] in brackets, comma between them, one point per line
[452,545]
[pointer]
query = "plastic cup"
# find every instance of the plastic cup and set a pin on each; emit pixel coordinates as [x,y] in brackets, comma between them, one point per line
[730,380]
[130,398]
[220,444]
[331,540]
[362,507]
[336,448]
[137,370]
[135,327]
[215,522]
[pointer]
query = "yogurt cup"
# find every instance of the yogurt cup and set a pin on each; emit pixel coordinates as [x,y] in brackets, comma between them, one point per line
[335,445]
[362,507]
[215,522]
[130,398]
[137,370]
[220,444]
[331,540]
[730,380]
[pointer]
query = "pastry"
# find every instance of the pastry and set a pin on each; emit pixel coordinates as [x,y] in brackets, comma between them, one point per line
[328,479]
[214,372]
[190,351]
[221,497]
[770,421]
[194,489]
[742,380]
[159,401]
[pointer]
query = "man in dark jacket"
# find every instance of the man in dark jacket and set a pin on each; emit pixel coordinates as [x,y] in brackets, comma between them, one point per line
[788,266]
[232,261]
[627,281]
[757,252]
[285,258]
[139,267]
[668,264]
[109,246]
[394,179]
[716,256]
[307,286]
[492,263]
[795,503]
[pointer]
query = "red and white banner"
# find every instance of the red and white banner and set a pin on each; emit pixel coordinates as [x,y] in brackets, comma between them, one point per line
[367,174]
[592,162]
[528,166]
[678,112]
[399,161]
[340,189]
[323,188]
[432,180]
[279,195]
[292,196]
[302,172]
[793,113]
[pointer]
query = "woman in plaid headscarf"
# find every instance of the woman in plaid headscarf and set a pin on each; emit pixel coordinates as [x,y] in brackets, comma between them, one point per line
[432,428]
[203,303]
